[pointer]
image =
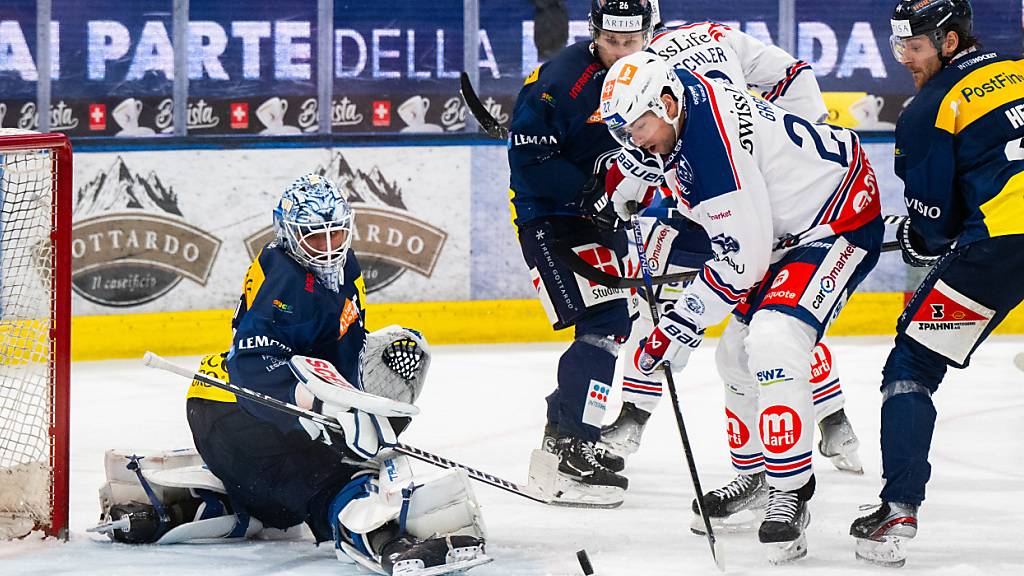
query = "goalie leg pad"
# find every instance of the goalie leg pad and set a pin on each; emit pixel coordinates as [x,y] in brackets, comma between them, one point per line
[445,505]
[166,498]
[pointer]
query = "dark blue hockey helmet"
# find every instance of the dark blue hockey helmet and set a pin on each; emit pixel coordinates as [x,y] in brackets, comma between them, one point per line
[622,16]
[931,18]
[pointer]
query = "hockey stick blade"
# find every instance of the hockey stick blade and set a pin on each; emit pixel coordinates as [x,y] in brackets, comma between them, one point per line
[153,360]
[479,111]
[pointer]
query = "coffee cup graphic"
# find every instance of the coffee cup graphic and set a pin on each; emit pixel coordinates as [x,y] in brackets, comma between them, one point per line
[866,111]
[126,114]
[271,113]
[414,113]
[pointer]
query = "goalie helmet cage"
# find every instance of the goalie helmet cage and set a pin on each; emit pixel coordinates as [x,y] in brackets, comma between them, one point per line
[35,332]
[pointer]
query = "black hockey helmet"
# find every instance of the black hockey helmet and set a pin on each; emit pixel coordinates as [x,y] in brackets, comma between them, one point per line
[623,16]
[933,18]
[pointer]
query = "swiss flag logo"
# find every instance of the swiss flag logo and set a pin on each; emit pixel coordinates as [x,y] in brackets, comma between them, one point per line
[97,116]
[382,113]
[938,307]
[239,115]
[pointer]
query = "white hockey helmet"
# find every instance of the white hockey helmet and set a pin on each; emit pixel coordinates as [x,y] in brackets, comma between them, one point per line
[634,86]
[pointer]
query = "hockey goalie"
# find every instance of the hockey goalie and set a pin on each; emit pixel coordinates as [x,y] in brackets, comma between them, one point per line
[300,338]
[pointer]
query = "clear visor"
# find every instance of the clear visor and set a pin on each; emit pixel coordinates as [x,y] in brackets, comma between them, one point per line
[922,45]
[321,245]
[898,47]
[624,136]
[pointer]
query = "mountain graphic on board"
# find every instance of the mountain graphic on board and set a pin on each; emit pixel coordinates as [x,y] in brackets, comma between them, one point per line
[119,189]
[362,187]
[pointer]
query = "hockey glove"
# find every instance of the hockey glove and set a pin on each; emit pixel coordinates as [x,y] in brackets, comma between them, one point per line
[671,342]
[906,236]
[597,206]
[634,177]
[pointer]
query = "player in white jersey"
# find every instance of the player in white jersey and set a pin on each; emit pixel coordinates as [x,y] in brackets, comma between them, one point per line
[793,214]
[719,52]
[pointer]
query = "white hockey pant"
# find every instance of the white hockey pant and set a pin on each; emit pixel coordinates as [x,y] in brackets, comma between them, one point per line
[769,408]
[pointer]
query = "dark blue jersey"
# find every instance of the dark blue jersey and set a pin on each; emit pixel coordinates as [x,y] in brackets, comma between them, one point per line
[557,136]
[960,154]
[284,310]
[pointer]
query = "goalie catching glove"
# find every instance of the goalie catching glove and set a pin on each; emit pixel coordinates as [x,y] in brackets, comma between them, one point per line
[671,342]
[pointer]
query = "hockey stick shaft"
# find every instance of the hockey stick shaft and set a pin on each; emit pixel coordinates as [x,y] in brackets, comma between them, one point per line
[638,238]
[479,111]
[564,251]
[153,360]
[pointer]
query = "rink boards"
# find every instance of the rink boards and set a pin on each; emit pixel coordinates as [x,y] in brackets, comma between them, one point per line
[162,240]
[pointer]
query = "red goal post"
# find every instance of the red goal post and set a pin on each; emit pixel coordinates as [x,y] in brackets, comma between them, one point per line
[35,331]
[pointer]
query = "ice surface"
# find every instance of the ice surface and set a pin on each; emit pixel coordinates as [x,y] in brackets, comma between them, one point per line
[484,406]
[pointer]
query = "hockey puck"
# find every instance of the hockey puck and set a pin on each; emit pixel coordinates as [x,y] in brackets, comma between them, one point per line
[588,570]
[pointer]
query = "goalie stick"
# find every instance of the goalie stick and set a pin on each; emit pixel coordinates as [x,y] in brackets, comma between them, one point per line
[565,252]
[153,360]
[716,548]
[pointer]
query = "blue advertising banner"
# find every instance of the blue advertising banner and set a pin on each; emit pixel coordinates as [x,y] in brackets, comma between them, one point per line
[252,65]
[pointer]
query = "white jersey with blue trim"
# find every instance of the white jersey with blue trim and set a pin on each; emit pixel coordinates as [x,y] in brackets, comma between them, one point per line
[761,181]
[717,51]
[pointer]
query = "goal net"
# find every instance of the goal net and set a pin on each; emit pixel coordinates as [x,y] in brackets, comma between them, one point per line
[35,234]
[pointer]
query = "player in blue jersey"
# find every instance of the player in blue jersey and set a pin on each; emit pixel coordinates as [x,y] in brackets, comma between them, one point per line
[558,153]
[304,296]
[960,154]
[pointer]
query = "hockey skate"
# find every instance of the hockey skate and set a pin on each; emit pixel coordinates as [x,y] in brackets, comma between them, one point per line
[573,476]
[839,443]
[733,507]
[448,555]
[782,531]
[607,459]
[881,535]
[623,435]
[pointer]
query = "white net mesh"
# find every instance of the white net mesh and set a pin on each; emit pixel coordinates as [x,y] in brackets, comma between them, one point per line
[26,205]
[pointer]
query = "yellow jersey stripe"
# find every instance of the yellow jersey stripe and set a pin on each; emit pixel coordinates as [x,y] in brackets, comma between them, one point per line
[979,93]
[1004,213]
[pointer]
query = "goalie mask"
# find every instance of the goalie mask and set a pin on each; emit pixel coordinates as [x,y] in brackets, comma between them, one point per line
[313,222]
[633,87]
